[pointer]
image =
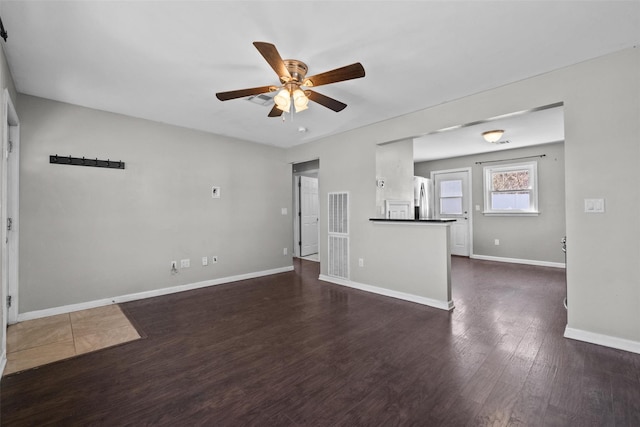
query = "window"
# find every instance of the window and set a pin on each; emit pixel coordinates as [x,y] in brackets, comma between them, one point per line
[511,189]
[451,197]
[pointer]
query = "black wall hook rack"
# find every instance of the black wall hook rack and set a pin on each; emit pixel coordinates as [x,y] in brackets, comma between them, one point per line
[81,161]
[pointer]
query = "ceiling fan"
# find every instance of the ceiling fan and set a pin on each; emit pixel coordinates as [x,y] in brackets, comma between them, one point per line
[295,86]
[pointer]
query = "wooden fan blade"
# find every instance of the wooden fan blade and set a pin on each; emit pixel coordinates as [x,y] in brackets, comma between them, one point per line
[275,112]
[324,100]
[225,96]
[271,55]
[349,72]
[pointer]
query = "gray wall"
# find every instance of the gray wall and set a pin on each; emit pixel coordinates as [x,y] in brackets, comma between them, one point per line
[528,238]
[93,233]
[394,164]
[602,129]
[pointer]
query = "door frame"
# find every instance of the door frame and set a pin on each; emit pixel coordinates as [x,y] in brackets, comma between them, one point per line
[9,192]
[296,220]
[469,172]
[10,206]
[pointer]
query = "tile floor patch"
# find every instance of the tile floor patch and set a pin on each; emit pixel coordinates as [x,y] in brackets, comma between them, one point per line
[40,341]
[38,356]
[105,338]
[39,332]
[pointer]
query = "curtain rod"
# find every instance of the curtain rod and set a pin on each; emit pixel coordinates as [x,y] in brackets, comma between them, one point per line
[515,158]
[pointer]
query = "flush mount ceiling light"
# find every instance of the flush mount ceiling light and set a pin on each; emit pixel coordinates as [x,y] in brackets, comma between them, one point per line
[493,136]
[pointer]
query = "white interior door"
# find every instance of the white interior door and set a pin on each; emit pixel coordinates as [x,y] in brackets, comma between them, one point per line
[309,215]
[453,200]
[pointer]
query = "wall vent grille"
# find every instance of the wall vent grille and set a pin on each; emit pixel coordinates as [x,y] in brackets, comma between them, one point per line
[262,99]
[339,213]
[338,246]
[339,256]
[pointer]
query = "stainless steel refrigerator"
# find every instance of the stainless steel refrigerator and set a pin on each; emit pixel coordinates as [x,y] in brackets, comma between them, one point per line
[423,197]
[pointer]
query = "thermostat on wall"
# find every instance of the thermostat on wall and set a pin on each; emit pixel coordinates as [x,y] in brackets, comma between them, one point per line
[215,192]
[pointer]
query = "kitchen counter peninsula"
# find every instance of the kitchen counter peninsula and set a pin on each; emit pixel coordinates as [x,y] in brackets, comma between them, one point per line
[415,221]
[413,261]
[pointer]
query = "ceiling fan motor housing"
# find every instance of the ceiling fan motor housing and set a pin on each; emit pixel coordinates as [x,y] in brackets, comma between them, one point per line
[297,69]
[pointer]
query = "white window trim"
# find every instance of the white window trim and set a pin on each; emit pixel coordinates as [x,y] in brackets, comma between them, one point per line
[533,172]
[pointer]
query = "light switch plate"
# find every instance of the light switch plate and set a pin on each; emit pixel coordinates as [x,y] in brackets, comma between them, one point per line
[215,192]
[594,205]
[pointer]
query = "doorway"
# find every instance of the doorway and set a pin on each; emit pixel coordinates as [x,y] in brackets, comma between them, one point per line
[306,210]
[453,201]
[309,215]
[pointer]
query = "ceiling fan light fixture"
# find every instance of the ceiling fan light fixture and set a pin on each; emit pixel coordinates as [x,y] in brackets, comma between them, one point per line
[283,100]
[300,107]
[493,136]
[300,100]
[286,108]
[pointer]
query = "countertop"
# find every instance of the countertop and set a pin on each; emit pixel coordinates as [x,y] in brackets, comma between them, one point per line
[425,221]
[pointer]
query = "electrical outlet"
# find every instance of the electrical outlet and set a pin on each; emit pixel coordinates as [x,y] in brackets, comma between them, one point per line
[205,260]
[496,242]
[360,262]
[185,263]
[214,259]
[285,251]
[283,211]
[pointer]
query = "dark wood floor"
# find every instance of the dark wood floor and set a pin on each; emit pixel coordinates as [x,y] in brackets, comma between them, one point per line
[291,350]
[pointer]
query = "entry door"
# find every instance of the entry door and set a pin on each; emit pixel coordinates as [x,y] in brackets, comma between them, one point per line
[453,201]
[309,214]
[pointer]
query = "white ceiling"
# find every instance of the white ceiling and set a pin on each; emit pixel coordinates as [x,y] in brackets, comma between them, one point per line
[165,60]
[522,129]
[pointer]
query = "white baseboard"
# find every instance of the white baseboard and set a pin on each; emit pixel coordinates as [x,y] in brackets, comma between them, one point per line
[443,305]
[604,340]
[147,294]
[520,261]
